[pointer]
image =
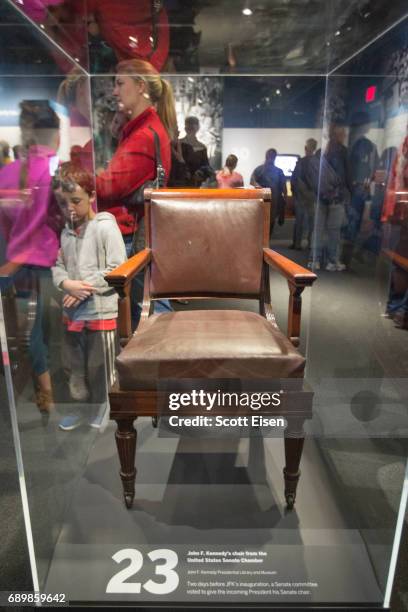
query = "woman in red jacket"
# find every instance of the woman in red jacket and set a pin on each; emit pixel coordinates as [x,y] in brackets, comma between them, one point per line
[146,101]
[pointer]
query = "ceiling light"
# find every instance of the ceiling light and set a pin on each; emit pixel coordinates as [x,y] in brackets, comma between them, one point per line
[288,85]
[278,92]
[365,10]
[337,33]
[247,11]
[296,52]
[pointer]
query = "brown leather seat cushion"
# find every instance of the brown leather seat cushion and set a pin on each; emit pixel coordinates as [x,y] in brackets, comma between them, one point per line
[206,344]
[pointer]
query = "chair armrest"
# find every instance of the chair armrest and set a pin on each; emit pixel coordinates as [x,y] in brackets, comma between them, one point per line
[295,274]
[298,278]
[397,259]
[120,277]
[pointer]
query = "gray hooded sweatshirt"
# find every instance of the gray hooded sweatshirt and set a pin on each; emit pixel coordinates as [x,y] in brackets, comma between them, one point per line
[88,255]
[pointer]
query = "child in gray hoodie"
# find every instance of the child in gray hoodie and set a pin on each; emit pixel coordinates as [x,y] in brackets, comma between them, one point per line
[91,246]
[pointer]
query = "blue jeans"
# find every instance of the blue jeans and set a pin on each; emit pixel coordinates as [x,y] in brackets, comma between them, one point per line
[355,213]
[304,218]
[136,290]
[328,222]
[373,242]
[33,286]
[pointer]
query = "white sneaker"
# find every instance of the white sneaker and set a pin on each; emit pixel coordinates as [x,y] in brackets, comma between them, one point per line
[313,265]
[335,267]
[97,422]
[77,388]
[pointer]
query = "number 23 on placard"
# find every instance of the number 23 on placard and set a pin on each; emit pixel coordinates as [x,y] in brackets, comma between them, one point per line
[117,583]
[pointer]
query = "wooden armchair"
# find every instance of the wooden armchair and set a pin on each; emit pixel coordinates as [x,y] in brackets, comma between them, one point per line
[208,244]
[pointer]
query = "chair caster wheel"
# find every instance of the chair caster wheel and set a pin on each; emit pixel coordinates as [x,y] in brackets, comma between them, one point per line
[129,501]
[155,421]
[290,501]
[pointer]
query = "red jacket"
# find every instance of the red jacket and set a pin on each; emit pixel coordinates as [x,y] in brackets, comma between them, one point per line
[132,165]
[128,27]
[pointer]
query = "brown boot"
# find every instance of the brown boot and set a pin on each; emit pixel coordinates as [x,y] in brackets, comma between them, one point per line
[44,400]
[43,394]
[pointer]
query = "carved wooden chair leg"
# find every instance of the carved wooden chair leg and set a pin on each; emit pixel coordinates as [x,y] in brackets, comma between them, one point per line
[294,439]
[126,442]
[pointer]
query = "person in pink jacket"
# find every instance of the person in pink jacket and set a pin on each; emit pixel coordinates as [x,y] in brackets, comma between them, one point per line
[29,225]
[228,178]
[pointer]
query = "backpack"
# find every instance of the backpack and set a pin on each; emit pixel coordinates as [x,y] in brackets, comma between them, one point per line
[320,176]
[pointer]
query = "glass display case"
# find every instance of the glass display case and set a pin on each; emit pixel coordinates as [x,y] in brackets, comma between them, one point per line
[321,89]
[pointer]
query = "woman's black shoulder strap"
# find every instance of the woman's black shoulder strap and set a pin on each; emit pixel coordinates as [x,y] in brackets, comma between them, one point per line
[160,171]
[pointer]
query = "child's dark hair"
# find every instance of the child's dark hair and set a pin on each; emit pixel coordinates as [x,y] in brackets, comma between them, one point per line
[37,115]
[38,123]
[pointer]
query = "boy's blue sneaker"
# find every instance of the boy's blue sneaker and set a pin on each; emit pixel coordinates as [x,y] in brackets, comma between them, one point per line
[70,422]
[97,422]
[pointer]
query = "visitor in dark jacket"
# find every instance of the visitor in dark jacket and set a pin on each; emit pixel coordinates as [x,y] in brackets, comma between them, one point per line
[269,175]
[329,177]
[304,198]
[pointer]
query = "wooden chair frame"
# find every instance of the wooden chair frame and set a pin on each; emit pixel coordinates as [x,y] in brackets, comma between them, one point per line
[126,406]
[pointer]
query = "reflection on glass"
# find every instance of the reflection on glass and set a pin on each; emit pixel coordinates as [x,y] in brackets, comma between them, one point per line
[177,36]
[30,224]
[76,150]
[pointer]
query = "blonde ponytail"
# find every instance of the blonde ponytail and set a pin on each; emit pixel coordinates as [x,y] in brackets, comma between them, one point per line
[166,109]
[67,91]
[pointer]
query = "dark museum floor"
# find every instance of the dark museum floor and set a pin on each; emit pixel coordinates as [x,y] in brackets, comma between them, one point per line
[357,364]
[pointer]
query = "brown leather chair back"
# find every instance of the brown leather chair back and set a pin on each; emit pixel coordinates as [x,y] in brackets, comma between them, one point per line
[207,242]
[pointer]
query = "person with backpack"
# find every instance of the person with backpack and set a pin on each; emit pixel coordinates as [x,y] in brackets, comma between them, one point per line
[328,175]
[363,161]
